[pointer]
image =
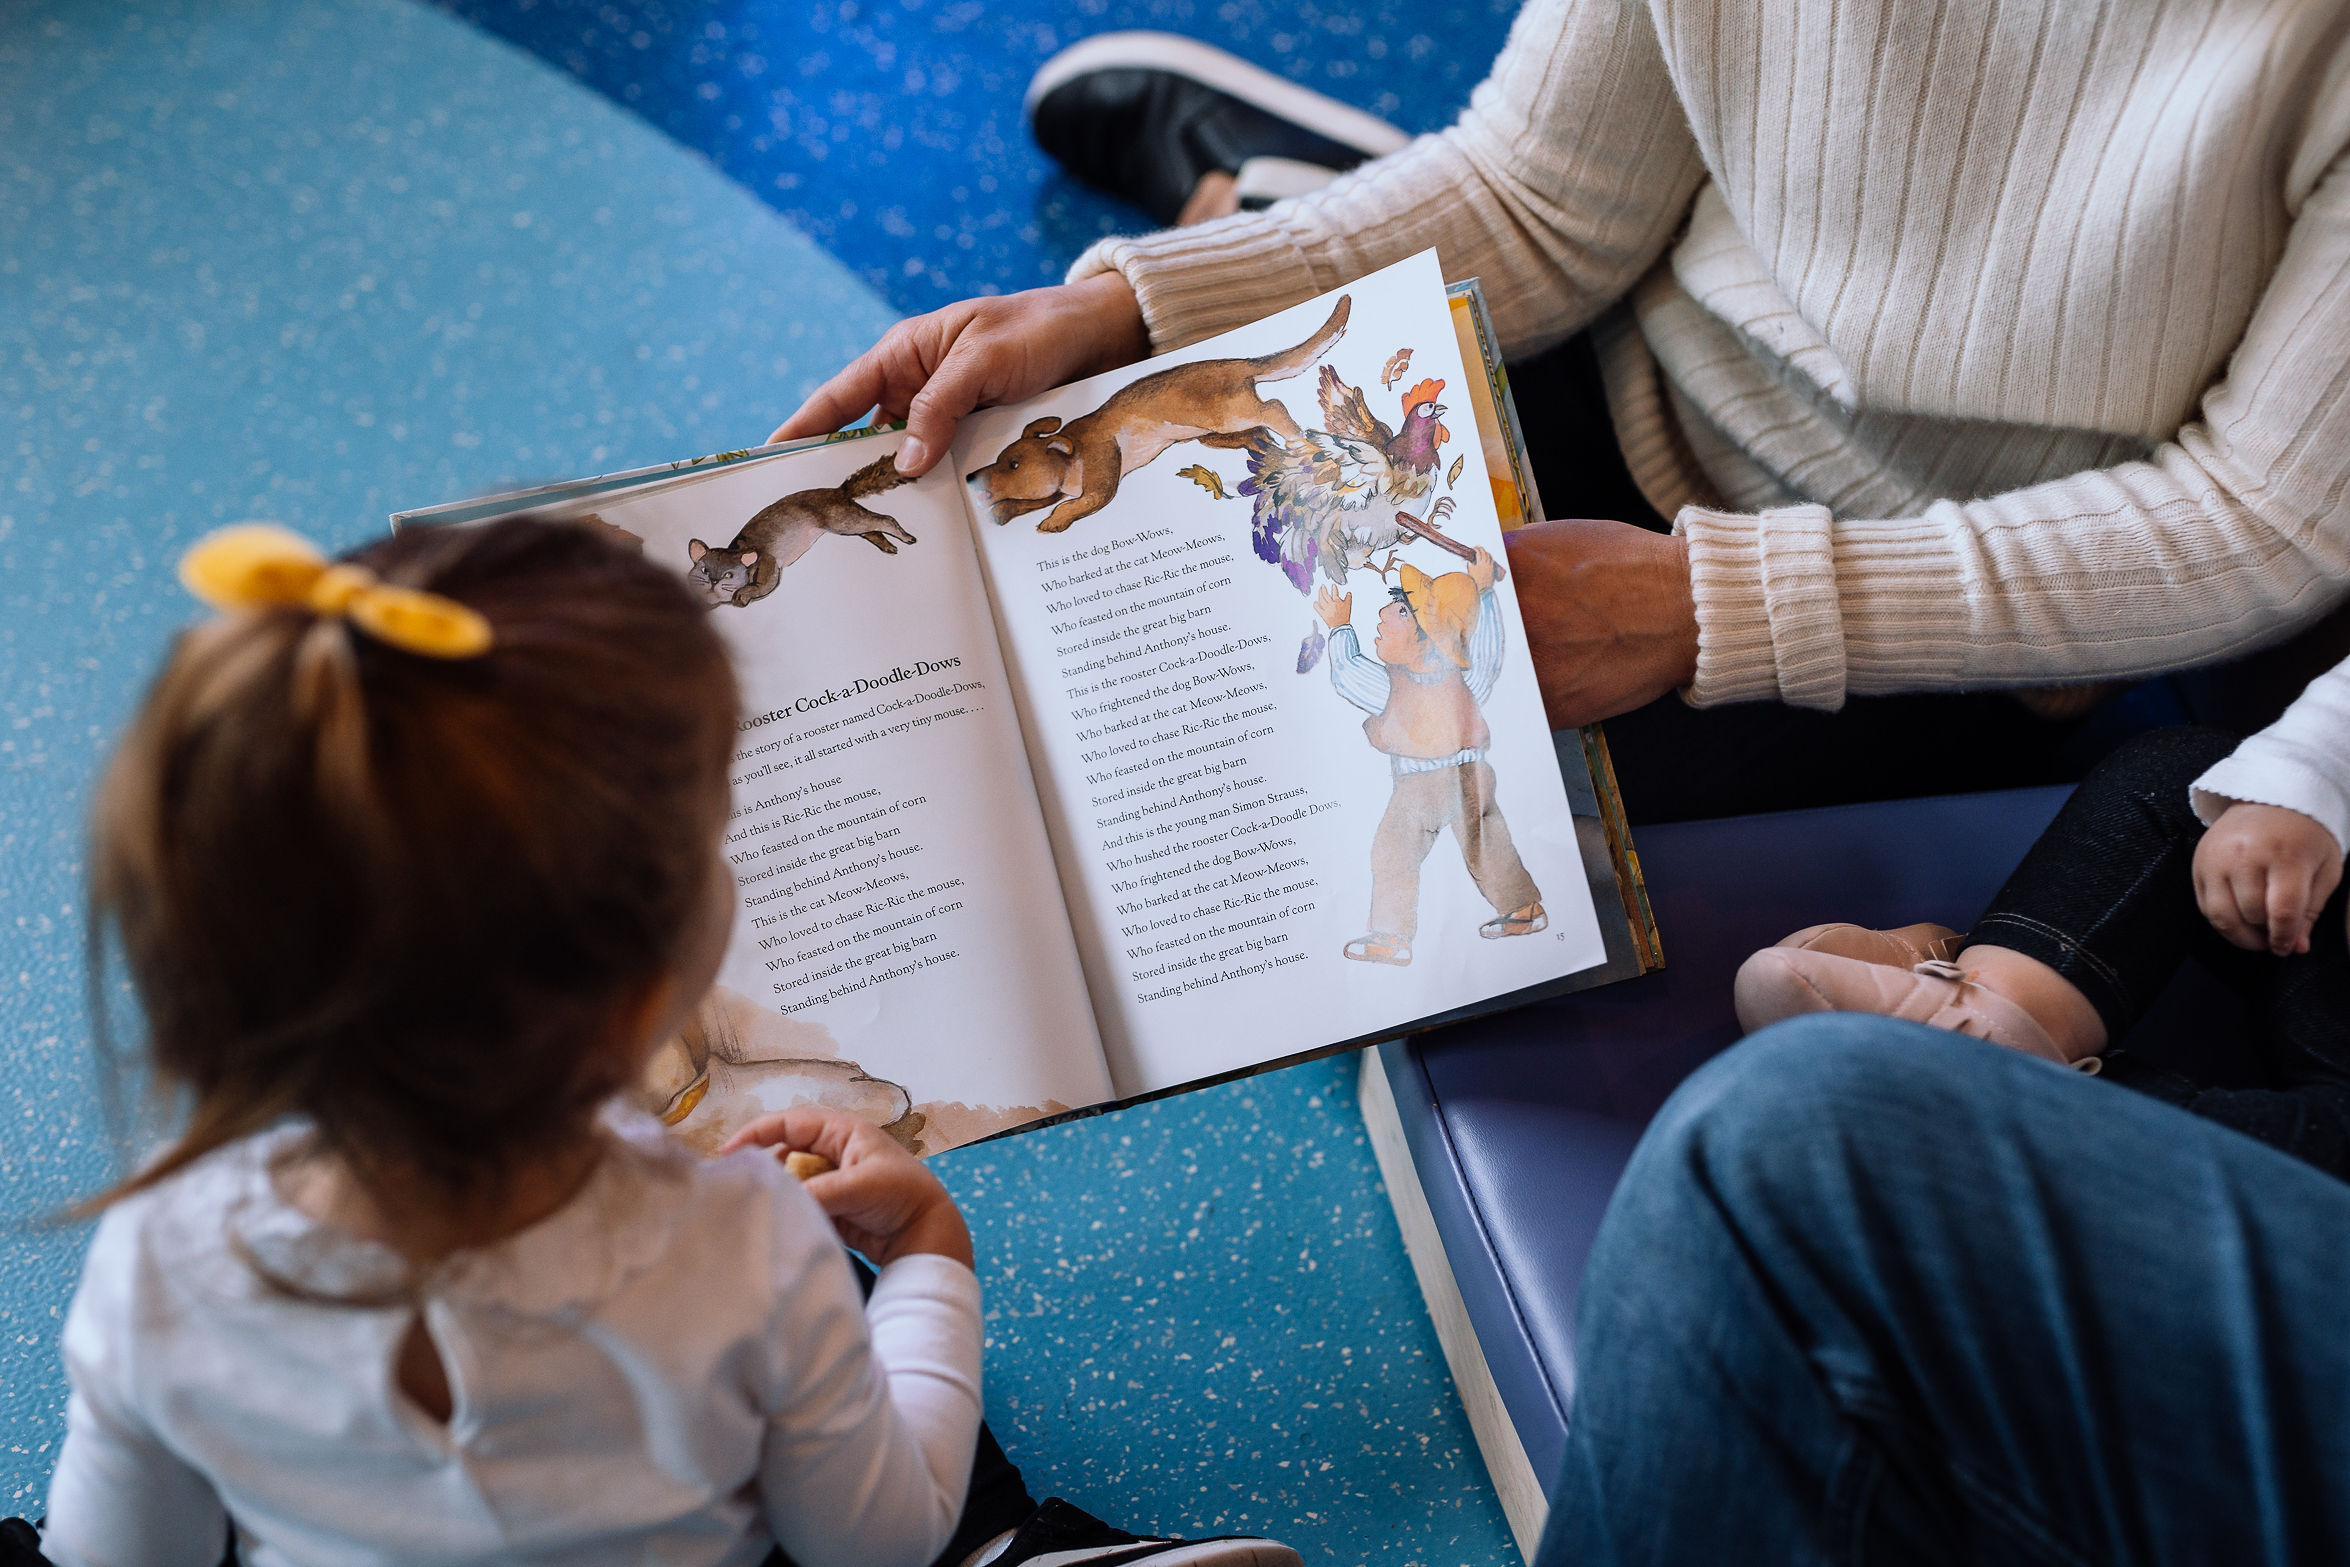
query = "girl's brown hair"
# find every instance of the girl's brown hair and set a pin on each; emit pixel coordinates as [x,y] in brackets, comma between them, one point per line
[400,896]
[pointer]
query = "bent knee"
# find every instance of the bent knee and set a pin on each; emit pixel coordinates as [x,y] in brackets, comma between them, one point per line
[1840,1056]
[1831,1095]
[2164,761]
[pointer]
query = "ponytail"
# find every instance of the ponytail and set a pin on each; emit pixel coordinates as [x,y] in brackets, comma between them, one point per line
[399,893]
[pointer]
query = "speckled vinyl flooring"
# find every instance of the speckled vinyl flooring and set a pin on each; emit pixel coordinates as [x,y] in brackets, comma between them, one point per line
[315,259]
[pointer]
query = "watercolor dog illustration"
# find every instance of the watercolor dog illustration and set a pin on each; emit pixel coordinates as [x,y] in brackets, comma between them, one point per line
[736,1061]
[748,566]
[1076,468]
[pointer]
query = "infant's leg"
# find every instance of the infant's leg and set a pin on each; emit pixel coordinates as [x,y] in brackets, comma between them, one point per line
[2098,917]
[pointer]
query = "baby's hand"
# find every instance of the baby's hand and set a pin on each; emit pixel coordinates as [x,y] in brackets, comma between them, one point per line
[882,1199]
[2262,873]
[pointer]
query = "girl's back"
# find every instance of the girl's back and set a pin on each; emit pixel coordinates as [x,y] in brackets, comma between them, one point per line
[673,1367]
[414,861]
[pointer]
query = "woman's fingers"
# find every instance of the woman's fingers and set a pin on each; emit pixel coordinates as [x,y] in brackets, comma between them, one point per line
[932,370]
[965,378]
[838,401]
[927,373]
[883,376]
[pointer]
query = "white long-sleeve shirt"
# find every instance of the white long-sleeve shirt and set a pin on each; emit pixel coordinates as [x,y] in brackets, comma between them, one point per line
[1969,345]
[676,1367]
[2301,762]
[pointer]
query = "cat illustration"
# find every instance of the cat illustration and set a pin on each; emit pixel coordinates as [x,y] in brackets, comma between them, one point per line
[749,566]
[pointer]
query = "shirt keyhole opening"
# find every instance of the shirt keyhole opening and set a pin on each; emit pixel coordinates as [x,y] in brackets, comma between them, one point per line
[421,1374]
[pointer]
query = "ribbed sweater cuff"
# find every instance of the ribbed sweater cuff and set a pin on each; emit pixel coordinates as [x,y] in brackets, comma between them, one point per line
[1196,282]
[1769,624]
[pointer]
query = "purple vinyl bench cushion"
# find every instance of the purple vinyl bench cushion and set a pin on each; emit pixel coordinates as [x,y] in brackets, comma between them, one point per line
[1519,1124]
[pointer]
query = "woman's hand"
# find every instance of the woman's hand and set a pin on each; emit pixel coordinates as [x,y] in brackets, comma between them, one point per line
[881,1199]
[1609,615]
[932,370]
[2262,874]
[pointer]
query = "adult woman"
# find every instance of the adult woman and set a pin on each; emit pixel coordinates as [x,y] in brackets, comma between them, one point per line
[1993,350]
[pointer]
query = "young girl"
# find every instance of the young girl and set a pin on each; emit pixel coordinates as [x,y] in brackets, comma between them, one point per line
[414,860]
[2180,843]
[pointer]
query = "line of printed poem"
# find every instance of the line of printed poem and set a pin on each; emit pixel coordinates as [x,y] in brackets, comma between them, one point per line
[839,885]
[1172,706]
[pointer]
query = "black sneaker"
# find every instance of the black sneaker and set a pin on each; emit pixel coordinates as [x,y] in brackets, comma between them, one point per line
[20,1544]
[1143,115]
[1060,1535]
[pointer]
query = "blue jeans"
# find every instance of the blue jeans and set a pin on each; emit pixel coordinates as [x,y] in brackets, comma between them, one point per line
[1876,1293]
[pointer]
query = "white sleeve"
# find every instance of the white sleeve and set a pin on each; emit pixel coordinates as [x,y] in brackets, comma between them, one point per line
[869,1443]
[1560,185]
[2301,762]
[1360,680]
[1485,648]
[120,1498]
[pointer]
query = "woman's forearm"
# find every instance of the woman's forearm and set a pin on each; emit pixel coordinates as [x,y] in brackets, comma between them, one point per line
[2233,534]
[1559,186]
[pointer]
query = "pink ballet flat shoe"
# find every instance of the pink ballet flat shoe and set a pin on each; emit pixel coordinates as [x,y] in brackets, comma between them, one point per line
[1906,947]
[1783,982]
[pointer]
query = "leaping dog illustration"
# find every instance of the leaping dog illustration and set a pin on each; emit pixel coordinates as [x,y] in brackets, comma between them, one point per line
[1076,468]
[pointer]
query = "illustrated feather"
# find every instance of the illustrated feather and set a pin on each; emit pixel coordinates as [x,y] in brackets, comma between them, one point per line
[1452,475]
[1398,364]
[1344,413]
[1210,480]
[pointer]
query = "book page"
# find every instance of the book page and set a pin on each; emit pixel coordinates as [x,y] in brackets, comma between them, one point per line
[900,950]
[1294,762]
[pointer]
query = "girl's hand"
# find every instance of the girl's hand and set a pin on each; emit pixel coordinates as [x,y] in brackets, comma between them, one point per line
[932,370]
[2262,873]
[881,1199]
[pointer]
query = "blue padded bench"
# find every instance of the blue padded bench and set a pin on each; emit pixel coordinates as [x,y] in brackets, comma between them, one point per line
[1501,1139]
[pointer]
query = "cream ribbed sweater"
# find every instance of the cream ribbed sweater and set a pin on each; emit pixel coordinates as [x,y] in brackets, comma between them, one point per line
[1971,342]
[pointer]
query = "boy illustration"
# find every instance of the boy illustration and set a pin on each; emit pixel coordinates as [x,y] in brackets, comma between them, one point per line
[1439,644]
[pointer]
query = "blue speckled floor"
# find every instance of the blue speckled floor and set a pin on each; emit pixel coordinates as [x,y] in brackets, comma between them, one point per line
[889,130]
[309,259]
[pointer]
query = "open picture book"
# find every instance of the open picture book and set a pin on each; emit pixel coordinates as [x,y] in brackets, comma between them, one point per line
[1178,724]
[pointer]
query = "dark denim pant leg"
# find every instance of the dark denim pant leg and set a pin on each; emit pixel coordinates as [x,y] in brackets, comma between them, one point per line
[2107,896]
[2107,899]
[1872,1293]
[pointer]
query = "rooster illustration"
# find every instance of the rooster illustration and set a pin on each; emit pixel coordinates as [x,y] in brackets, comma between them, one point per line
[1330,500]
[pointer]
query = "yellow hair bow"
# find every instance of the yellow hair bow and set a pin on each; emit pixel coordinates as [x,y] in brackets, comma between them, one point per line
[258,565]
